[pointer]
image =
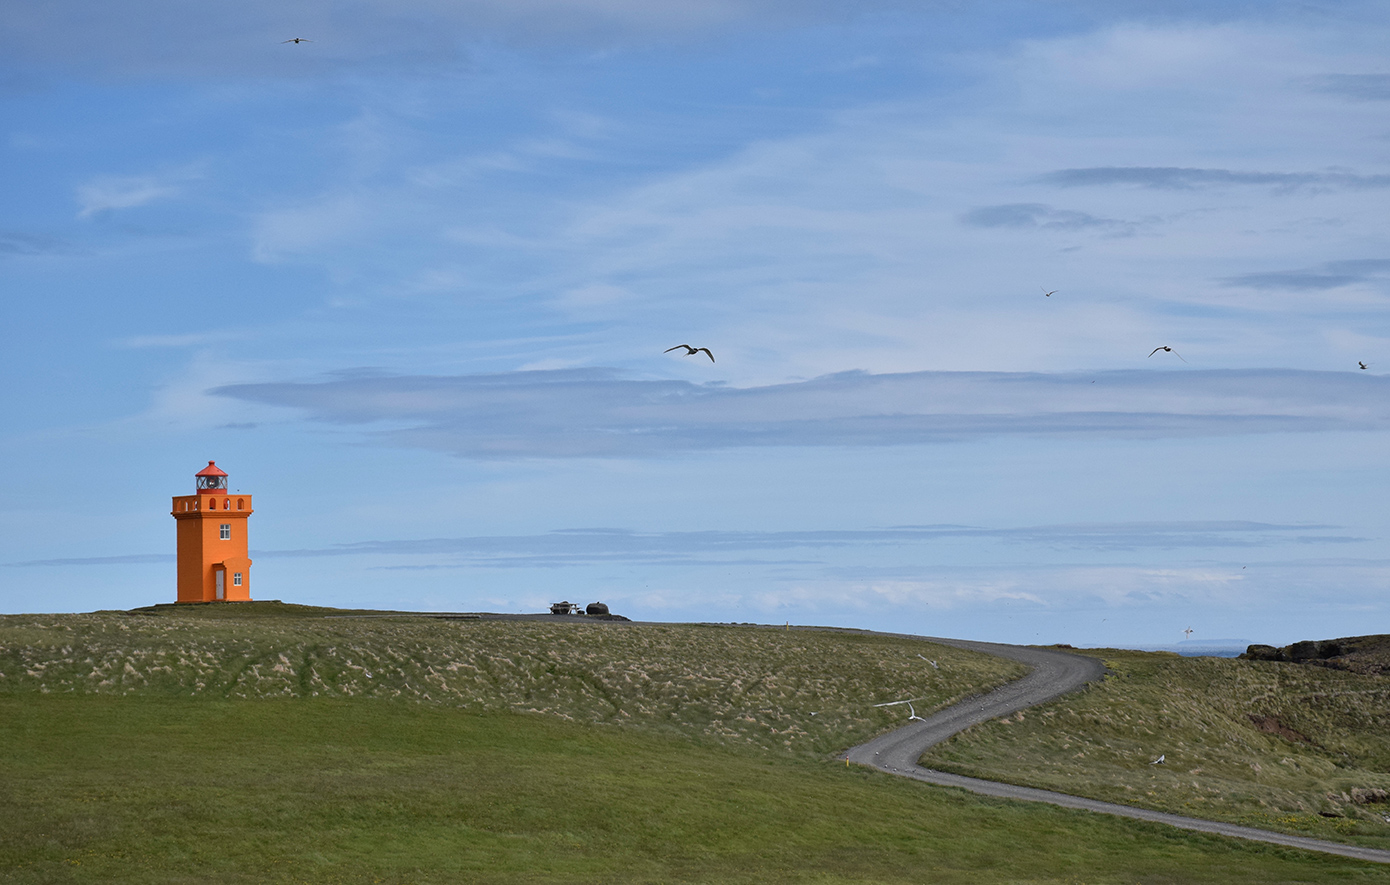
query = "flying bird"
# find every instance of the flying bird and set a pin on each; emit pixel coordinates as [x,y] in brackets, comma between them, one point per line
[296,40]
[913,713]
[1159,760]
[1047,294]
[1166,349]
[1361,364]
[929,661]
[1187,634]
[691,351]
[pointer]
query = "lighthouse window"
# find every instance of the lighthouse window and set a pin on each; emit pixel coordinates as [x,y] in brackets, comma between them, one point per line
[236,579]
[227,504]
[226,533]
[240,504]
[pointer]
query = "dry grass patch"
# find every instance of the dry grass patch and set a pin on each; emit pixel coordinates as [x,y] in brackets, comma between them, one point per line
[1281,746]
[803,692]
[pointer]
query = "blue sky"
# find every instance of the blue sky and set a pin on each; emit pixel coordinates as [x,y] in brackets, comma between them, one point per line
[410,284]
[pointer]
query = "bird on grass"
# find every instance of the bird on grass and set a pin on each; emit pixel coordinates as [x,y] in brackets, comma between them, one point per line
[1165,348]
[691,351]
[296,40]
[933,663]
[1159,760]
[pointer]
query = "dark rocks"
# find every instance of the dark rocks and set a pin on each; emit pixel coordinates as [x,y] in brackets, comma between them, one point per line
[596,608]
[1368,655]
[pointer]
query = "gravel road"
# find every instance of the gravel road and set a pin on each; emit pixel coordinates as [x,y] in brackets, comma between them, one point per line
[1053,673]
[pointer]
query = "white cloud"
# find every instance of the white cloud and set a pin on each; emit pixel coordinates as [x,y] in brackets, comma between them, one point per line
[106,193]
[332,220]
[600,413]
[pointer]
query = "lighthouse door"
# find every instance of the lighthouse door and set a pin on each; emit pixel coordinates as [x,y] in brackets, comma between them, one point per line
[221,584]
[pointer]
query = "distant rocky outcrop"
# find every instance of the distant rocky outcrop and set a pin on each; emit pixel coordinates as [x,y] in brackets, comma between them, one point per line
[600,612]
[1367,655]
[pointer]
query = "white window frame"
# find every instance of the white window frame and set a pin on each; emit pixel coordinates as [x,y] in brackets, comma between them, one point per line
[225,531]
[236,579]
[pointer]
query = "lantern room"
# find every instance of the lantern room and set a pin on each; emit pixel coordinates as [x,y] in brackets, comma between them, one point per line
[211,478]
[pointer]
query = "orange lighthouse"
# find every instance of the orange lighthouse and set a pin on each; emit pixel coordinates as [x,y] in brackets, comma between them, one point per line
[213,563]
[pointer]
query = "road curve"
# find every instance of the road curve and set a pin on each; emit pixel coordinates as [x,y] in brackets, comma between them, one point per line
[1053,673]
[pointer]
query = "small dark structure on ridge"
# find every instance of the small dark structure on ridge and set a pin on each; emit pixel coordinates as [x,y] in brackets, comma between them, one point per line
[596,608]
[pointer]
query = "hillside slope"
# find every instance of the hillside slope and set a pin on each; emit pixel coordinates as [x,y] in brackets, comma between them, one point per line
[1271,745]
[804,692]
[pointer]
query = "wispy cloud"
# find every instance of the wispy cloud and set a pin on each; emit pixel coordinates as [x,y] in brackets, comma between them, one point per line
[130,559]
[1180,178]
[1043,217]
[601,413]
[1370,87]
[593,546]
[106,193]
[15,243]
[1329,275]
[168,37]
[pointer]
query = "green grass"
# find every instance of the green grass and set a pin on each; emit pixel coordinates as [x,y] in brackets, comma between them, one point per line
[798,692]
[1273,745]
[148,788]
[268,743]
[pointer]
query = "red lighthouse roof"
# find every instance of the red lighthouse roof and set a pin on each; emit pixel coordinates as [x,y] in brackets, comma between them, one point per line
[211,470]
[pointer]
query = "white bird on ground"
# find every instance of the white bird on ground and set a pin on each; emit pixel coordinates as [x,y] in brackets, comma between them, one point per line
[1159,760]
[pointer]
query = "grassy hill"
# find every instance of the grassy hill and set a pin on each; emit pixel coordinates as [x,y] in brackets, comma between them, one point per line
[241,744]
[1276,745]
[803,692]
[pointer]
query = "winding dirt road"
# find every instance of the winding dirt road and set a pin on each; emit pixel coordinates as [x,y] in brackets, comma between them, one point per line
[1054,673]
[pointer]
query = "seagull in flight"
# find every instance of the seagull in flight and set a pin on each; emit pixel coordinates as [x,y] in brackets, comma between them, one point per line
[1159,760]
[1361,364]
[933,663]
[1166,349]
[691,351]
[912,714]
[296,40]
[1047,294]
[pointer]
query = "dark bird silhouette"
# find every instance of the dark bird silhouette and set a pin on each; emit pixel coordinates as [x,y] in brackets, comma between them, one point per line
[691,351]
[1047,294]
[296,40]
[1167,349]
[1361,364]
